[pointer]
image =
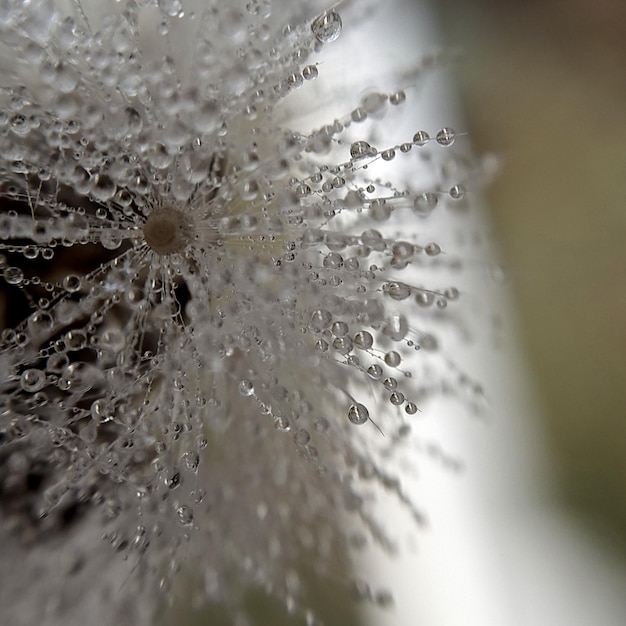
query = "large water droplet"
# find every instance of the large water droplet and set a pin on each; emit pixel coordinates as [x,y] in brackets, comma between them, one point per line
[327,26]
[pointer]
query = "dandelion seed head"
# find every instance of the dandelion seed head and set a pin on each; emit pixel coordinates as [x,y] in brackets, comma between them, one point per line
[193,282]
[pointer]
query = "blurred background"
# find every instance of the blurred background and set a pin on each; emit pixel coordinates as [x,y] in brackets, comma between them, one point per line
[542,86]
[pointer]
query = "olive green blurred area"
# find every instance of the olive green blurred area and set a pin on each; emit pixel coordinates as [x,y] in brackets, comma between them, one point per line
[544,87]
[332,601]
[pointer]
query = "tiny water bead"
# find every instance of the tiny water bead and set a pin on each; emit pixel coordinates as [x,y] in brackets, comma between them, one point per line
[358,414]
[445,137]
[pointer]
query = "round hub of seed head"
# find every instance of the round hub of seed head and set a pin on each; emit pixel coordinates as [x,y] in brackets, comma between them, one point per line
[167,231]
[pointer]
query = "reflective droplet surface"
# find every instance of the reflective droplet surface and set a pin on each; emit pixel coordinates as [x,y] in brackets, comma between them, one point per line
[327,26]
[358,414]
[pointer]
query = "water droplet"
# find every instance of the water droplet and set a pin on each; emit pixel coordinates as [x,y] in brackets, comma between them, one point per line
[445,137]
[375,372]
[360,149]
[327,26]
[302,437]
[71,283]
[397,98]
[363,340]
[398,291]
[396,398]
[185,515]
[310,72]
[421,138]
[393,358]
[246,388]
[32,380]
[13,275]
[457,192]
[424,203]
[432,249]
[358,414]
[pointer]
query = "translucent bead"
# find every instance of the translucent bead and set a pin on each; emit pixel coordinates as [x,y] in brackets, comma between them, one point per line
[333,260]
[358,414]
[322,425]
[75,339]
[358,115]
[397,98]
[428,342]
[432,249]
[246,388]
[103,188]
[360,149]
[343,345]
[321,345]
[375,372]
[363,340]
[374,103]
[99,411]
[302,437]
[388,155]
[403,249]
[262,8]
[71,283]
[32,380]
[421,138]
[321,319]
[393,358]
[390,384]
[13,275]
[411,408]
[40,322]
[373,239]
[396,327]
[351,264]
[30,252]
[398,291]
[457,192]
[185,515]
[425,202]
[282,424]
[380,210]
[424,299]
[339,329]
[396,398]
[327,26]
[310,72]
[445,137]
[191,460]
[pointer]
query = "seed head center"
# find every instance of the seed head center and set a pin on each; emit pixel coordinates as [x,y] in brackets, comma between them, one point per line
[167,231]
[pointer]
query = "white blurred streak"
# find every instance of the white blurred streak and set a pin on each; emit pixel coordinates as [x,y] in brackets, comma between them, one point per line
[497,551]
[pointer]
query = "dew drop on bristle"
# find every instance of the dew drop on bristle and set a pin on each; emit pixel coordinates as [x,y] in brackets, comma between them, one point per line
[327,26]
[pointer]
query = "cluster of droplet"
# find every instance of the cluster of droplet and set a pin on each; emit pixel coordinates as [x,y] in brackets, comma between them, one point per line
[194,277]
